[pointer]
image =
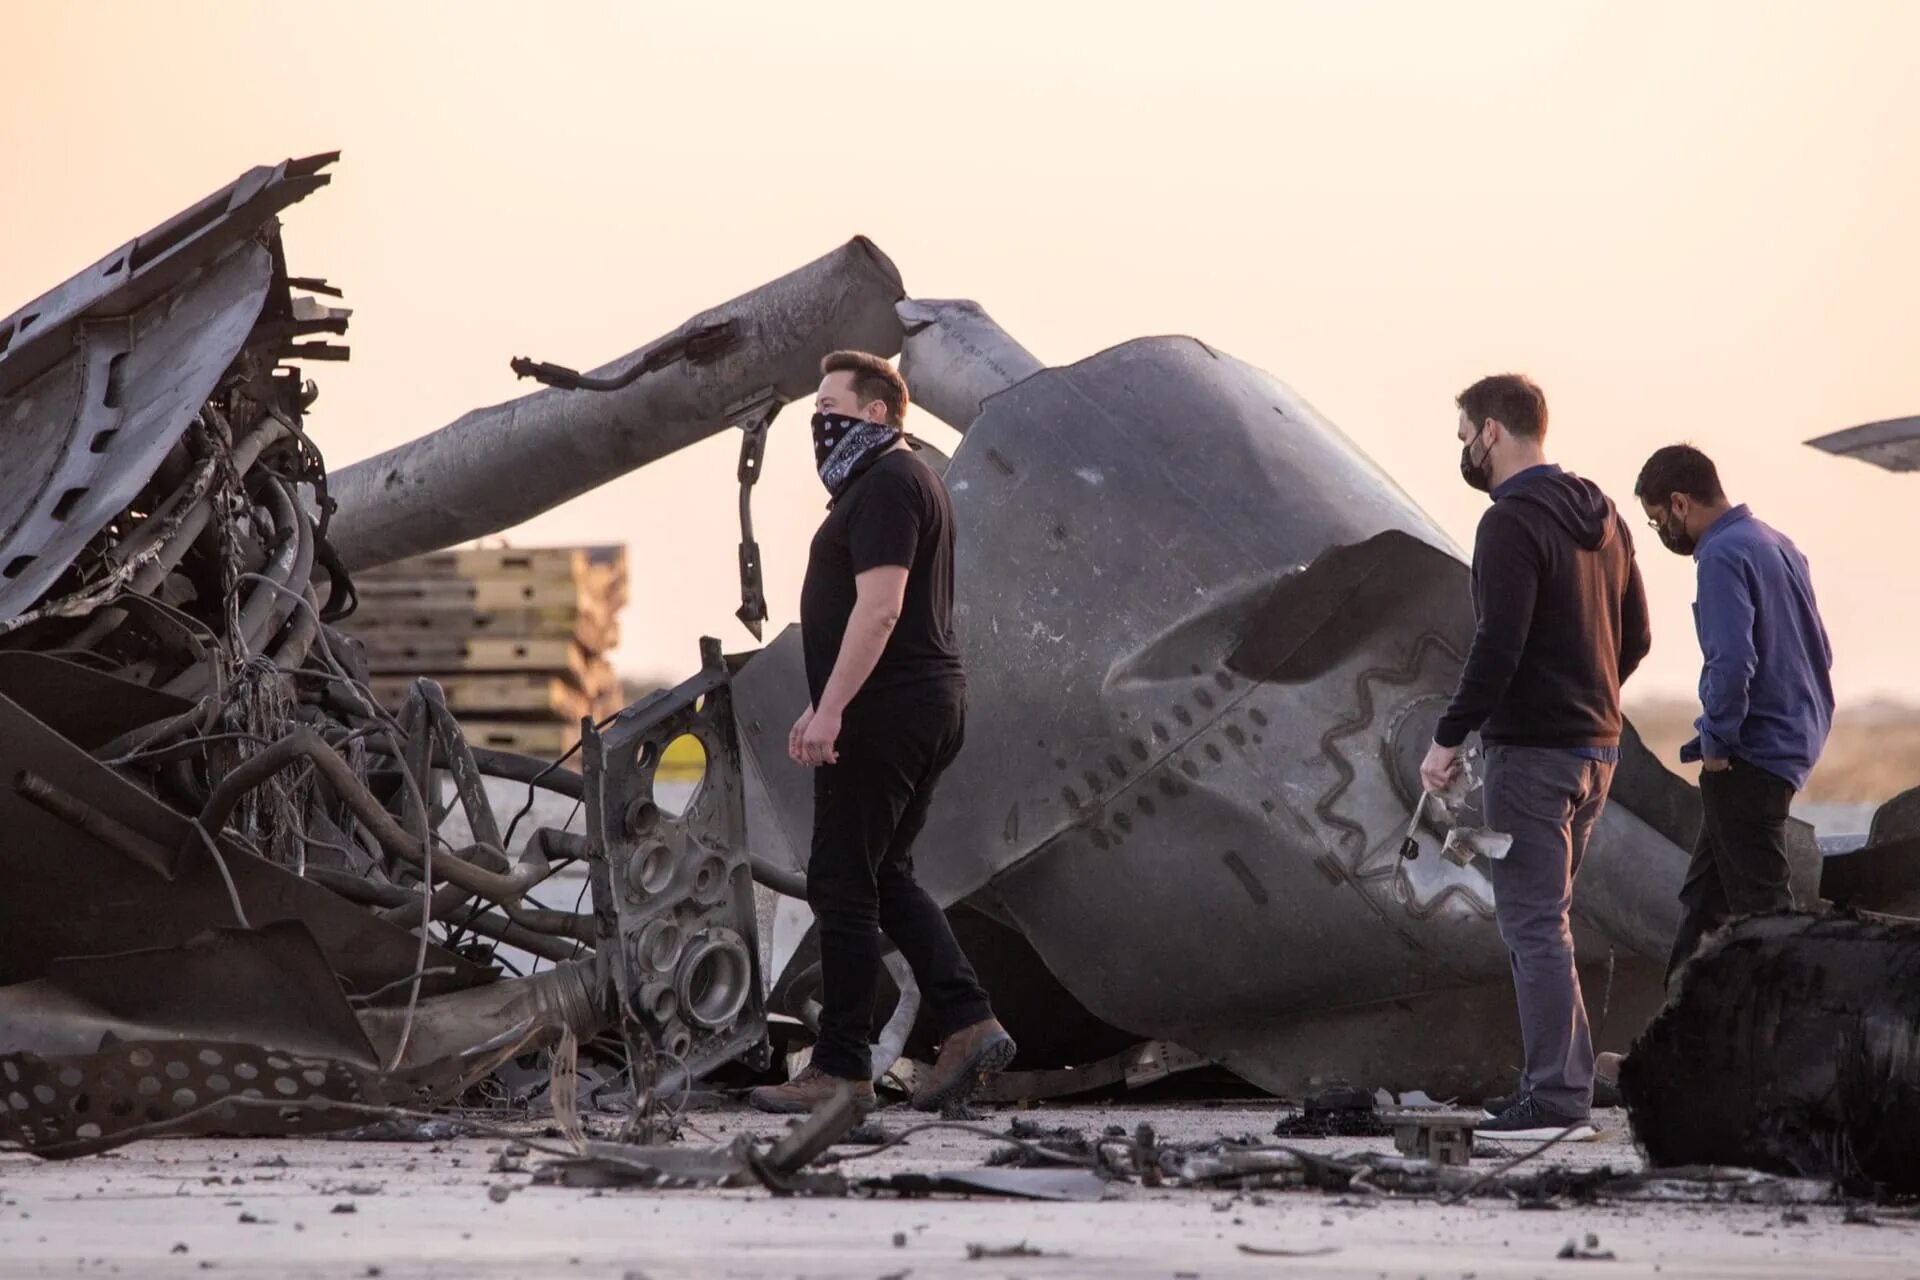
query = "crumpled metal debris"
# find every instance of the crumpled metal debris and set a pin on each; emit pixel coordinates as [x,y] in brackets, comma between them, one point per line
[225,857]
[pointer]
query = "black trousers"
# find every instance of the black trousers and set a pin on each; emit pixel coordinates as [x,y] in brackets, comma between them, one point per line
[867,811]
[1739,865]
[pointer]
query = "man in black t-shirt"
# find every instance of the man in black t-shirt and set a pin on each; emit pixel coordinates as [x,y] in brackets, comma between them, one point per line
[886,716]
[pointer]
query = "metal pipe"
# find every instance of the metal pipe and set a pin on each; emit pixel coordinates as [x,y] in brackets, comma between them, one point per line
[498,466]
[302,743]
[487,925]
[955,356]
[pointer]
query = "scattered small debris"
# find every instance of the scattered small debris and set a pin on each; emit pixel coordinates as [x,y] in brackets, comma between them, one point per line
[1794,1218]
[981,1252]
[899,1239]
[248,1219]
[272,1162]
[869,1134]
[1573,1251]
[499,1192]
[1858,1215]
[354,1189]
[1335,1113]
[346,1206]
[1261,1251]
[180,1248]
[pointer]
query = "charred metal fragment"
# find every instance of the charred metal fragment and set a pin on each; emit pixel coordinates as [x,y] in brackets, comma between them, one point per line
[1792,1046]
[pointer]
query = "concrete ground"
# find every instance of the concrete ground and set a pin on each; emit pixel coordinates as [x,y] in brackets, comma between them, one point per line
[311,1208]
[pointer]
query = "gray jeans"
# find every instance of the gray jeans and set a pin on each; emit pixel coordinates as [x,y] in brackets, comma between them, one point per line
[1547,799]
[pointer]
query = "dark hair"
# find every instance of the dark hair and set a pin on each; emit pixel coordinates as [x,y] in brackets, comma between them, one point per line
[1679,468]
[1510,399]
[873,379]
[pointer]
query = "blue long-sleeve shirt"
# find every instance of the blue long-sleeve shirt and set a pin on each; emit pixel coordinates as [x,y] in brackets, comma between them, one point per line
[1766,693]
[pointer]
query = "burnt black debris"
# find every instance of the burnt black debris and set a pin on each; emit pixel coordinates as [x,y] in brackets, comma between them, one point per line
[1789,1047]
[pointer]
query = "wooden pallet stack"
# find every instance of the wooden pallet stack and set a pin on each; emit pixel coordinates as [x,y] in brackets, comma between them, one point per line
[516,637]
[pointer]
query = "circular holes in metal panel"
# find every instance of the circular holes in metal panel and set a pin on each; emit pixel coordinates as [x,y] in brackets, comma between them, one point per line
[642,816]
[682,771]
[714,979]
[678,1041]
[659,1003]
[658,945]
[710,881]
[650,870]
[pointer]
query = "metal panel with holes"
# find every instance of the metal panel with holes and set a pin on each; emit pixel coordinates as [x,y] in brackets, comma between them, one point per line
[673,890]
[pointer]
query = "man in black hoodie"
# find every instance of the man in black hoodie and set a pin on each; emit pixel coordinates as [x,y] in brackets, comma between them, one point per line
[1561,620]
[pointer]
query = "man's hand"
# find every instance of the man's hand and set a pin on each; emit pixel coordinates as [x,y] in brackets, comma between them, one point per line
[1710,765]
[1439,769]
[796,733]
[817,738]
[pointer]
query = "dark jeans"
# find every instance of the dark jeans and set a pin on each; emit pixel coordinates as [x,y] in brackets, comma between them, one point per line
[1739,865]
[867,811]
[1547,800]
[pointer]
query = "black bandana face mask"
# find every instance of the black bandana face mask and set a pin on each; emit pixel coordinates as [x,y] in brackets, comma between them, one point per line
[1478,475]
[844,447]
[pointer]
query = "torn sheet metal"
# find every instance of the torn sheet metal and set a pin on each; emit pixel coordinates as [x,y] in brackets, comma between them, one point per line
[76,890]
[1080,1186]
[1893,444]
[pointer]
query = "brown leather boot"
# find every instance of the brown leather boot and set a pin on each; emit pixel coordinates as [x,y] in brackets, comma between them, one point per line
[965,1056]
[808,1090]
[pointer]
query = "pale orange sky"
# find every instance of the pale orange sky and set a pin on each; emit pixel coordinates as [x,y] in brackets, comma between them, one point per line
[1688,221]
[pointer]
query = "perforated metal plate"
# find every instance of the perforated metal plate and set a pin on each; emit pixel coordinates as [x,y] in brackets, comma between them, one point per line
[674,888]
[71,1106]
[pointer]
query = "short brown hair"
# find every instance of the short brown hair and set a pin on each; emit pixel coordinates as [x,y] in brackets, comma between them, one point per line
[873,379]
[1513,400]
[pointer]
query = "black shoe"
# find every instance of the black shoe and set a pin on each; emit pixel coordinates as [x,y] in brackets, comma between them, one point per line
[1494,1106]
[1528,1121]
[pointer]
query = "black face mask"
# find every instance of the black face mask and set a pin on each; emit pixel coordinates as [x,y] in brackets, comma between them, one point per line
[1675,538]
[1478,475]
[844,447]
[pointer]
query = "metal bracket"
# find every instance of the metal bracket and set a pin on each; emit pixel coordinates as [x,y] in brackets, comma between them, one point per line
[753,415]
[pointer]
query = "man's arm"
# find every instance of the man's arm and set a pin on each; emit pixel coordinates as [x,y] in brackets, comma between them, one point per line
[1506,582]
[883,537]
[1636,627]
[1726,642]
[879,594]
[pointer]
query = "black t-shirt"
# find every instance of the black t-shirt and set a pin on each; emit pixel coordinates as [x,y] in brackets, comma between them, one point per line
[898,513]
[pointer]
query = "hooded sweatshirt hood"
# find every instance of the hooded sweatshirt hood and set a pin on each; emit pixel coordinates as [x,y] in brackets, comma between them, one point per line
[1575,503]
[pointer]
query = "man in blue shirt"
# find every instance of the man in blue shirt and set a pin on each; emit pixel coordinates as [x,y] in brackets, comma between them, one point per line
[1766,697]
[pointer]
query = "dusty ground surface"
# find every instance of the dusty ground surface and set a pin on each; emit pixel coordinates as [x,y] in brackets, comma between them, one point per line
[398,1210]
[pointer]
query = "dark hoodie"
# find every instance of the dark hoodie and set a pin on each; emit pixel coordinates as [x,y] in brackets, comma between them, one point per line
[1561,618]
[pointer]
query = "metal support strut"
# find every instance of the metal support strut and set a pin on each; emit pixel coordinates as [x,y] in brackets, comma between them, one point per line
[754,414]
